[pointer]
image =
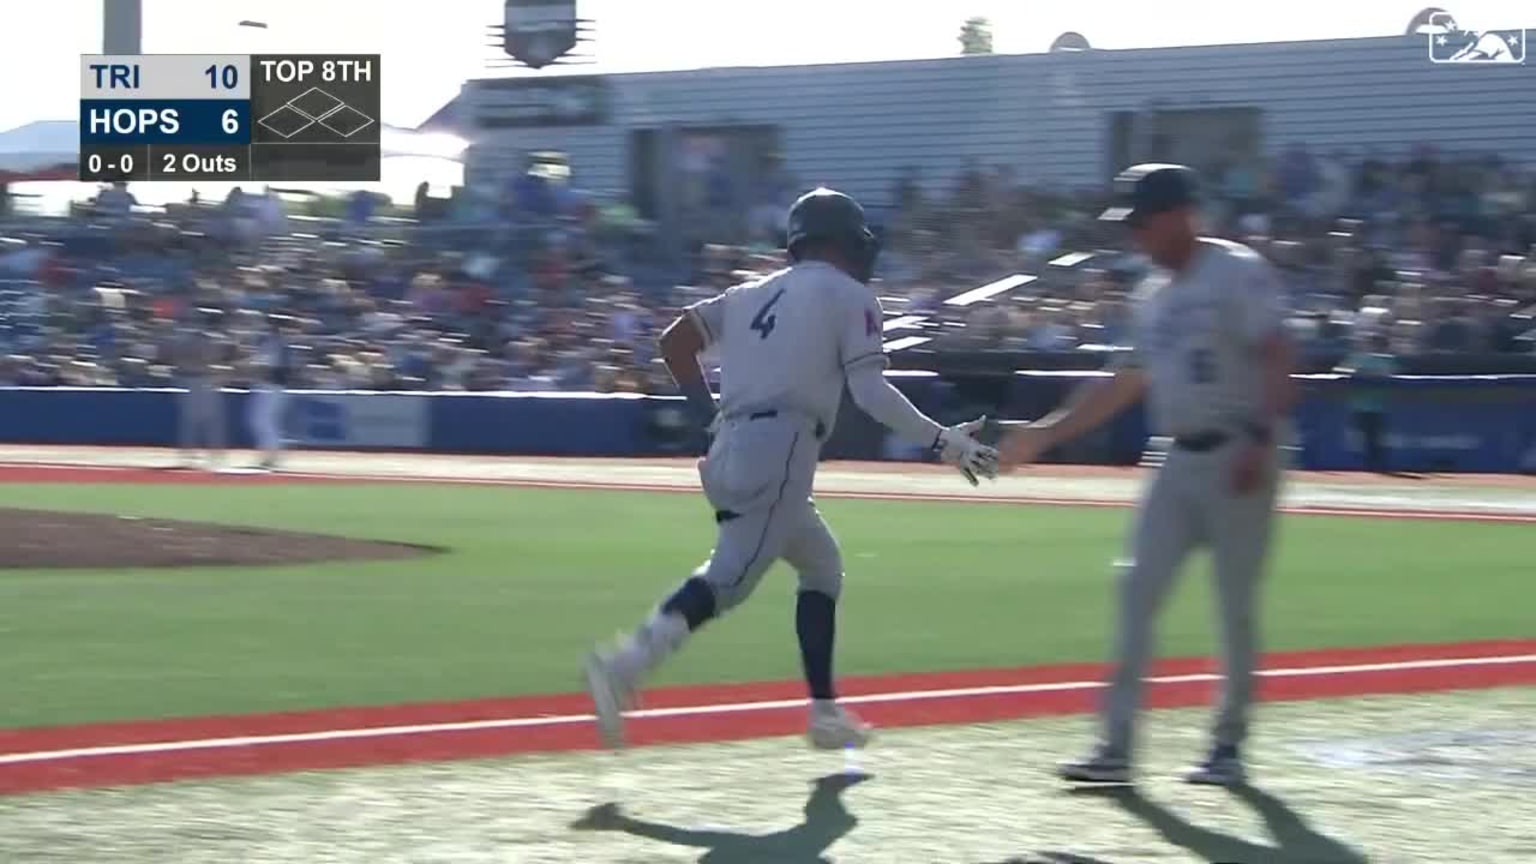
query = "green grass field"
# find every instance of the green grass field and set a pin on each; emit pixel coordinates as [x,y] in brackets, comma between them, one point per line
[534,576]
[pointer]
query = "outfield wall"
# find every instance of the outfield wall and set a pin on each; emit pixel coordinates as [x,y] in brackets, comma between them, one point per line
[1481,423]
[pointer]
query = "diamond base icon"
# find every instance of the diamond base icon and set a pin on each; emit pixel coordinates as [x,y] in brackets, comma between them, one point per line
[287,121]
[346,121]
[315,103]
[316,107]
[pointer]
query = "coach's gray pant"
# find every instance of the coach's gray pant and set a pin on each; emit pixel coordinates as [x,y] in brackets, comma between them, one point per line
[202,423]
[1189,504]
[758,476]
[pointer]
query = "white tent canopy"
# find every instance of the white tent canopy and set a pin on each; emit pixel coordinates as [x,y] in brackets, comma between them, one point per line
[39,145]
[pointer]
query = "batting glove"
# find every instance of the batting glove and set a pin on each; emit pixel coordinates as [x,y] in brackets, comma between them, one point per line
[974,459]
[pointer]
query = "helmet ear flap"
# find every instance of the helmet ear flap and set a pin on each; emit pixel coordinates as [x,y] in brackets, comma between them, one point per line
[864,254]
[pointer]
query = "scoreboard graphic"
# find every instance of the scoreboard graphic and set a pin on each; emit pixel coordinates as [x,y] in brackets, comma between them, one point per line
[262,118]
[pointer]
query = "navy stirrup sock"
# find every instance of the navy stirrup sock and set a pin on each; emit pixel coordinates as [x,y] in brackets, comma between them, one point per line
[816,626]
[695,601]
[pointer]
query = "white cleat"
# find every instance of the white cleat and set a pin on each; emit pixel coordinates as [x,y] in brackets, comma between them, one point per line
[836,728]
[611,694]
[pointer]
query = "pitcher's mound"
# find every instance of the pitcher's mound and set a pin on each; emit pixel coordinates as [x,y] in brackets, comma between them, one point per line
[44,538]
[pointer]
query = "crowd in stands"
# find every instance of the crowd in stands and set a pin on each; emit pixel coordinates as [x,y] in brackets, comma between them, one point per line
[543,287]
[1430,254]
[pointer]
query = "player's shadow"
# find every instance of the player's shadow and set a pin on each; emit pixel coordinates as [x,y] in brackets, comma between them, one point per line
[1295,840]
[826,821]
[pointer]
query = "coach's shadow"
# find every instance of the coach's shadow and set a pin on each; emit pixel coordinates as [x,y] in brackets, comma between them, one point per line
[1296,841]
[826,821]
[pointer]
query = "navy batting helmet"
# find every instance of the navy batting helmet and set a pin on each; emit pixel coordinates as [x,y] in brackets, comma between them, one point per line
[828,217]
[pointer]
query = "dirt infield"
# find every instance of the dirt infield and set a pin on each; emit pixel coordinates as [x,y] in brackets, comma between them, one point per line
[47,539]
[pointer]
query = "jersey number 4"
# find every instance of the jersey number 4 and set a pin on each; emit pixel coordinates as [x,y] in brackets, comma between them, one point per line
[765,320]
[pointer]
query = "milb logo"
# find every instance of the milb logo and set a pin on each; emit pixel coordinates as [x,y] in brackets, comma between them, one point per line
[1450,42]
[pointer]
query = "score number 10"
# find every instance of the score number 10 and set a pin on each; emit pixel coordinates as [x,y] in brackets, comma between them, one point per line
[226,75]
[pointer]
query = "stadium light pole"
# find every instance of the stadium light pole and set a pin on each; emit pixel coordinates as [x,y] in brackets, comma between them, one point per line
[122,26]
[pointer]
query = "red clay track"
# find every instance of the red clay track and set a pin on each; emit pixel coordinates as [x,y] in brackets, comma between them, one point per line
[154,751]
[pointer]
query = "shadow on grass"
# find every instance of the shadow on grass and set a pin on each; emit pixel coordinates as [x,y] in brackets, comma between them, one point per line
[826,821]
[1296,841]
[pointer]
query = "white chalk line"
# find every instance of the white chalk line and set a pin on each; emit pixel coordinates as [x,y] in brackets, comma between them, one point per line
[1411,513]
[720,709]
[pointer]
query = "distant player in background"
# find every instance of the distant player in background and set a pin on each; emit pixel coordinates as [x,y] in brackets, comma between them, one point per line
[198,353]
[1369,367]
[1211,356]
[269,398]
[788,344]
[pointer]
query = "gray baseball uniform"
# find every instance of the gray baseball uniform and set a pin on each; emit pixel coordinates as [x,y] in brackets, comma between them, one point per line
[202,423]
[786,345]
[1197,337]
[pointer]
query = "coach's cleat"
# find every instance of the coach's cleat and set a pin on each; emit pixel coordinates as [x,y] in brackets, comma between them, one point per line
[1223,767]
[1106,766]
[610,696]
[834,727]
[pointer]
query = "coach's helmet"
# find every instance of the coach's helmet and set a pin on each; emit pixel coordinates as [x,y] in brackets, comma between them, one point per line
[825,216]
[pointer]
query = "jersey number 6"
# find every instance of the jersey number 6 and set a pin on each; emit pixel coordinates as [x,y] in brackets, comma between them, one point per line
[764,321]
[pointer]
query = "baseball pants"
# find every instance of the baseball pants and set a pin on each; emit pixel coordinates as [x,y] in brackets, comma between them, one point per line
[268,404]
[758,476]
[201,418]
[1371,425]
[1189,504]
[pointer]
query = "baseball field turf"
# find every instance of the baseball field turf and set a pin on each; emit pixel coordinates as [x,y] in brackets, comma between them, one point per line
[466,643]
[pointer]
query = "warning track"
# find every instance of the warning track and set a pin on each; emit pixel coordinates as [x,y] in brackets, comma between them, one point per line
[586,475]
[143,752]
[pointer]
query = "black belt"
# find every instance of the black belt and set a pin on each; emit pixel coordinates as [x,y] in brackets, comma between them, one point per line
[821,428]
[1201,442]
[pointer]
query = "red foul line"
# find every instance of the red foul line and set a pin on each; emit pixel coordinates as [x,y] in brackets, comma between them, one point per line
[132,769]
[55,473]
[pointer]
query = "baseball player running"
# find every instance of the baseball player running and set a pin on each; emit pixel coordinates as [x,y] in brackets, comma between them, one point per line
[788,344]
[1211,355]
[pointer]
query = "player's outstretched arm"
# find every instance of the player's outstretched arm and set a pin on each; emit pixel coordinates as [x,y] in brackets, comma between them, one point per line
[1089,407]
[892,409]
[864,362]
[681,343]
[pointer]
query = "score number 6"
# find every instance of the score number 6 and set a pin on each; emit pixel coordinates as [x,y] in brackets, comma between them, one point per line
[230,121]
